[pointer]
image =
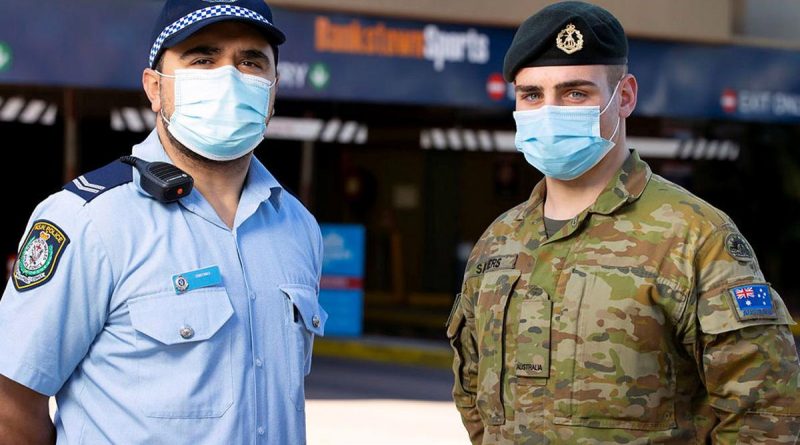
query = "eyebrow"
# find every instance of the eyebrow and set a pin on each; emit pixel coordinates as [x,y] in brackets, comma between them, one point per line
[254,54]
[561,86]
[206,50]
[203,50]
[575,84]
[527,89]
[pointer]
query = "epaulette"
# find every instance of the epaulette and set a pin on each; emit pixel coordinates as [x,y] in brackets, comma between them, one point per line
[93,184]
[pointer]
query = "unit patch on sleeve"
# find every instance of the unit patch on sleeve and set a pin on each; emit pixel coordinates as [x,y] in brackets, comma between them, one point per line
[39,256]
[738,248]
[753,302]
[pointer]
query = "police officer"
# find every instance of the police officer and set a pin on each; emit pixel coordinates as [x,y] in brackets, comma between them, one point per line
[171,322]
[613,306]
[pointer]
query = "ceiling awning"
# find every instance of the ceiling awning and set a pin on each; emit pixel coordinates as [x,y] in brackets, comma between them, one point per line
[348,58]
[140,120]
[309,129]
[27,111]
[460,139]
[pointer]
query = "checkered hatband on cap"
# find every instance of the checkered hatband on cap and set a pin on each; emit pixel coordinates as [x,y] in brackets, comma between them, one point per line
[200,15]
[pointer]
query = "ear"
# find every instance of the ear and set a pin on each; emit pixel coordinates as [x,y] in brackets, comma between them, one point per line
[151,82]
[629,90]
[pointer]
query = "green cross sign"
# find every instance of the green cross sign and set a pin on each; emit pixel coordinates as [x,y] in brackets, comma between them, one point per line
[319,75]
[5,56]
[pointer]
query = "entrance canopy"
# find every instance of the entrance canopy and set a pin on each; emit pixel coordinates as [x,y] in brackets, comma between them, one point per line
[352,58]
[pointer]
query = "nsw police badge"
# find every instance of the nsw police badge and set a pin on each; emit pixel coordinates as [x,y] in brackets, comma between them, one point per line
[39,256]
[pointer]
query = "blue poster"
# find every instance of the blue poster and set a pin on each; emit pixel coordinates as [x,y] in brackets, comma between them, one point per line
[342,285]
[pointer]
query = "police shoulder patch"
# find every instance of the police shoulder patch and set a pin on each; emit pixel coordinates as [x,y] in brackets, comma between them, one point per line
[737,247]
[39,256]
[753,302]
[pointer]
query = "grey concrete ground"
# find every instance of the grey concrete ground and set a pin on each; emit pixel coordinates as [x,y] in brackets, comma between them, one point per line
[350,402]
[334,378]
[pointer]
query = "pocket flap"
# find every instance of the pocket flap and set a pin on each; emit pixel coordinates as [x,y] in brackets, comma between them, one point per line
[454,325]
[304,298]
[173,319]
[456,317]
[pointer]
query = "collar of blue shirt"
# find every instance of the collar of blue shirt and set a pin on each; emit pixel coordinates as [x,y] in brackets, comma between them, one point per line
[259,186]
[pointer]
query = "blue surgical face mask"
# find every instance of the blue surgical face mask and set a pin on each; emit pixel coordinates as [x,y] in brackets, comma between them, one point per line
[219,114]
[563,142]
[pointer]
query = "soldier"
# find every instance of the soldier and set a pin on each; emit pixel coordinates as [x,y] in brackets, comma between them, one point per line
[613,306]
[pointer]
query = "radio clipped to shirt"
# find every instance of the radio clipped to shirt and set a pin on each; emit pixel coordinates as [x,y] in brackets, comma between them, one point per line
[163,181]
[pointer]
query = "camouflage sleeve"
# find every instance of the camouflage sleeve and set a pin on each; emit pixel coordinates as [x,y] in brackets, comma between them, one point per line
[461,333]
[744,350]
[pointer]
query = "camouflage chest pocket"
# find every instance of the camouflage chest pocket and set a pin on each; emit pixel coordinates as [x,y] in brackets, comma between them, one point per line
[624,363]
[490,313]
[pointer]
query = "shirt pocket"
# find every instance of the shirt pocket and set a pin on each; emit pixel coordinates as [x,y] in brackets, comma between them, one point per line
[490,311]
[183,353]
[624,364]
[304,318]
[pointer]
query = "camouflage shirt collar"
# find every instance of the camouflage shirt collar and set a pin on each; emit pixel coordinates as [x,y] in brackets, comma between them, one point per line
[626,186]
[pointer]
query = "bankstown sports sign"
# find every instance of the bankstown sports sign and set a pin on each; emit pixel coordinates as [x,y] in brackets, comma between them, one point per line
[381,40]
[354,58]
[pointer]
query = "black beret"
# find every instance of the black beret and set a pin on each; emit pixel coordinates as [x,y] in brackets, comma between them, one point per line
[567,33]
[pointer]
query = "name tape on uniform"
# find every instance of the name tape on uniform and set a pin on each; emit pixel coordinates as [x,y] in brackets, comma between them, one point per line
[496,263]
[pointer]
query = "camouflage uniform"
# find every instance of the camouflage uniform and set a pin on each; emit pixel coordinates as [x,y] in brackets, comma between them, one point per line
[621,328]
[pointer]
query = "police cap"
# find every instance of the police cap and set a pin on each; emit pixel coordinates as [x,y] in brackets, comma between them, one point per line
[179,19]
[567,33]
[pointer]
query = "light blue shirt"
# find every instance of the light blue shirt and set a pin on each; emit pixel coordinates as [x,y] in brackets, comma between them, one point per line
[130,358]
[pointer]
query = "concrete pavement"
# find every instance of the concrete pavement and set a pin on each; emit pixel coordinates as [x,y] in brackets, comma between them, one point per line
[355,402]
[407,351]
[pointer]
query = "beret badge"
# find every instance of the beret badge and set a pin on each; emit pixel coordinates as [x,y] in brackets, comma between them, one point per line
[569,40]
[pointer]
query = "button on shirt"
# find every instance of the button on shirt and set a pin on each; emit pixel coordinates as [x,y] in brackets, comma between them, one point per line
[132,359]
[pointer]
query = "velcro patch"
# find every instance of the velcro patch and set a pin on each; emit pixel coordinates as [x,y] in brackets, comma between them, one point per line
[496,263]
[753,302]
[39,256]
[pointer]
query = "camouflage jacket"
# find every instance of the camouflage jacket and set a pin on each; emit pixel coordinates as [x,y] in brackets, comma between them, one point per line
[645,319]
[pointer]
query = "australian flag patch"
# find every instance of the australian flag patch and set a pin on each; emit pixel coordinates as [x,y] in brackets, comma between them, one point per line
[753,302]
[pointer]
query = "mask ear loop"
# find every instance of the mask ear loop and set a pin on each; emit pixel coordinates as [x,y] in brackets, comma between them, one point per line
[163,116]
[616,87]
[616,128]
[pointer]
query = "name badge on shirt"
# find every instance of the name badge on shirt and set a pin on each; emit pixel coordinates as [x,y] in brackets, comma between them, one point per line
[196,279]
[496,263]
